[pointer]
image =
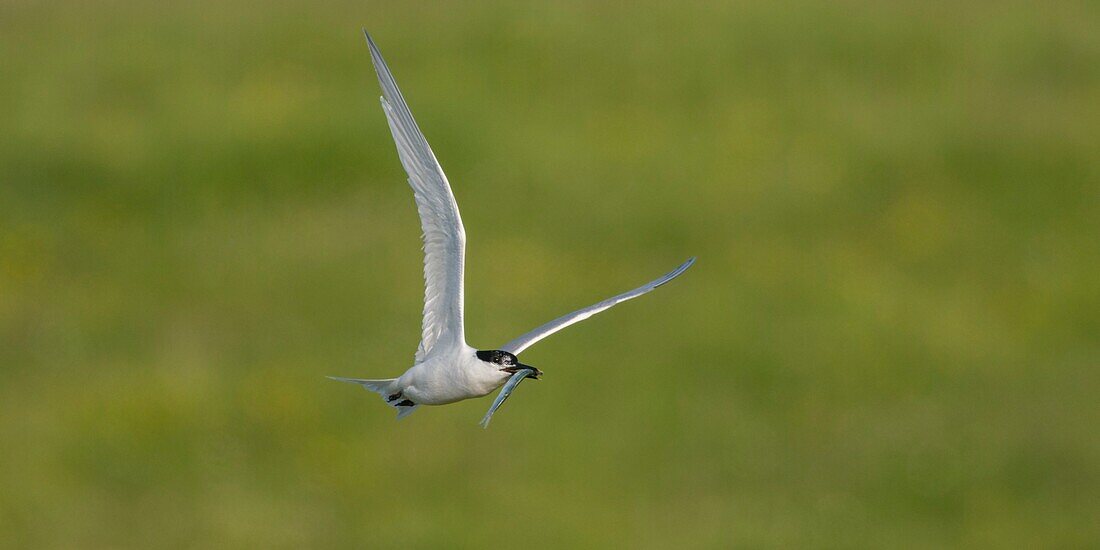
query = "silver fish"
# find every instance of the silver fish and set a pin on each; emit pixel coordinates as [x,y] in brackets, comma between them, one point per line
[505,392]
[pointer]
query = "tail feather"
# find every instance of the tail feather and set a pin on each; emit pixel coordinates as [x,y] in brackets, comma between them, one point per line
[376,386]
[384,388]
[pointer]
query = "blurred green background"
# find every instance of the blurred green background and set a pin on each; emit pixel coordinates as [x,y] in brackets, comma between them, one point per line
[891,338]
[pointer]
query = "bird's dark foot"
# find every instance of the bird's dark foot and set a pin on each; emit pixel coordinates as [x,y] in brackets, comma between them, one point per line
[405,403]
[394,397]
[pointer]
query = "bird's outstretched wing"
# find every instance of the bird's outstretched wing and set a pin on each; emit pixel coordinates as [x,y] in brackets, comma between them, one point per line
[444,236]
[523,342]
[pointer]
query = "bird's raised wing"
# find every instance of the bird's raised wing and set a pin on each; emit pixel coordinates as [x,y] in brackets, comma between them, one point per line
[523,342]
[444,236]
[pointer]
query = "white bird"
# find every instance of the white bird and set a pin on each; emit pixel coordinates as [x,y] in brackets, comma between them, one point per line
[446,369]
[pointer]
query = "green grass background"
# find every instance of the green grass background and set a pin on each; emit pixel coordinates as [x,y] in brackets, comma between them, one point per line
[891,338]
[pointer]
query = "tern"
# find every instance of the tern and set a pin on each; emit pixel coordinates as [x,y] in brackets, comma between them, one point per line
[446,369]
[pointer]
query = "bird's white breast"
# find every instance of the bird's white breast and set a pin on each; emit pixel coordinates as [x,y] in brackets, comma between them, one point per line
[446,378]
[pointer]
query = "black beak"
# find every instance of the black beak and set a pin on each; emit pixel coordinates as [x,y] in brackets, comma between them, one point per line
[521,366]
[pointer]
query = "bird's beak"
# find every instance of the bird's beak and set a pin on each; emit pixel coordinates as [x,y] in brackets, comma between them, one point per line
[521,366]
[538,373]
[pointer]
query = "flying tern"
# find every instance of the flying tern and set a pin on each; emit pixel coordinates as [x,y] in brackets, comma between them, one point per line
[446,369]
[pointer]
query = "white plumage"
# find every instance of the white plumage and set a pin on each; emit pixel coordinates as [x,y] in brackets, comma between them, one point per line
[444,237]
[445,368]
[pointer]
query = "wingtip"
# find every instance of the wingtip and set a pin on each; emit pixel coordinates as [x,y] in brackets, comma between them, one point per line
[371,43]
[684,266]
[380,68]
[674,273]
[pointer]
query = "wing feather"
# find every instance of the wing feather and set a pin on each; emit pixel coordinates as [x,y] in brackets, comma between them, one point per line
[524,341]
[443,234]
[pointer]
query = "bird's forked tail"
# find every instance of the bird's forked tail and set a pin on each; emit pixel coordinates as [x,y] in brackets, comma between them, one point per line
[393,398]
